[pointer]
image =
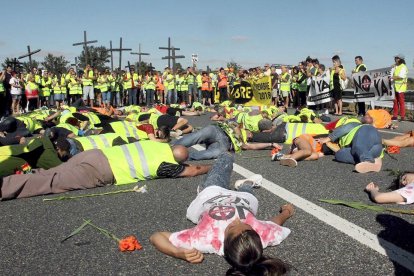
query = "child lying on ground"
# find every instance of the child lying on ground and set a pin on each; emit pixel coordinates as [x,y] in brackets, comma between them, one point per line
[404,195]
[226,225]
[304,147]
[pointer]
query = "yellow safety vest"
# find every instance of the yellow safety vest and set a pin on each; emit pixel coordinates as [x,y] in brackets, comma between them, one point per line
[69,127]
[230,133]
[128,129]
[249,122]
[93,118]
[30,123]
[98,141]
[137,161]
[400,85]
[294,130]
[88,82]
[285,85]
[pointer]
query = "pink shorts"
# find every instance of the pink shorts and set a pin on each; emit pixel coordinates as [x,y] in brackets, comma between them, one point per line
[407,192]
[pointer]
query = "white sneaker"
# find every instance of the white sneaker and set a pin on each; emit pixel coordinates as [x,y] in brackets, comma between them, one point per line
[254,180]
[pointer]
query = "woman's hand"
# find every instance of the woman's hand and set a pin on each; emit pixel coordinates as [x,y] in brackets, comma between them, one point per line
[190,255]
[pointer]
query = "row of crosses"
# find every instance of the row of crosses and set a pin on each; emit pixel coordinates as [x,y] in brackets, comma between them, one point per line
[171,57]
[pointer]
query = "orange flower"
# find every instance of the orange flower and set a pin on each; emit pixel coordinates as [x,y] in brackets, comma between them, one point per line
[129,243]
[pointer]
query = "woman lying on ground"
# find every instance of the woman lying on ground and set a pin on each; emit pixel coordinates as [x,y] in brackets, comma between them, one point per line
[227,226]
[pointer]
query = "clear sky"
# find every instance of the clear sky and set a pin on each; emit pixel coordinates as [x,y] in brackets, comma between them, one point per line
[250,33]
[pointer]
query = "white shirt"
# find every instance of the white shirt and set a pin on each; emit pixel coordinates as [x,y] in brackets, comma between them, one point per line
[213,210]
[15,90]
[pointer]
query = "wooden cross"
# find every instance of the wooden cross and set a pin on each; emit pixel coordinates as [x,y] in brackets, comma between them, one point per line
[173,57]
[139,57]
[120,49]
[169,48]
[85,43]
[29,54]
[15,64]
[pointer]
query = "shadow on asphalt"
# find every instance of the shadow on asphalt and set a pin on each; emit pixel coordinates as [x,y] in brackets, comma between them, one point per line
[400,233]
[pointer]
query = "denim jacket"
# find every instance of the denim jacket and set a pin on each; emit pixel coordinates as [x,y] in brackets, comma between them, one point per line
[342,131]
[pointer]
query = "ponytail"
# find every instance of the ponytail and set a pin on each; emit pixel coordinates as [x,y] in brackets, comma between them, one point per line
[244,253]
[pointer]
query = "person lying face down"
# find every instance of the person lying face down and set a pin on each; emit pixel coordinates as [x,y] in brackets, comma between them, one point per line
[117,165]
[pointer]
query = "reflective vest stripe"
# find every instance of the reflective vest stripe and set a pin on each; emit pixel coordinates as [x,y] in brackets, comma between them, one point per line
[105,141]
[304,128]
[128,133]
[92,119]
[144,162]
[130,160]
[92,141]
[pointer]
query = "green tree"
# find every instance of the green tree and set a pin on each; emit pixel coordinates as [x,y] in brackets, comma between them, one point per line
[55,64]
[235,65]
[28,67]
[178,67]
[9,62]
[97,57]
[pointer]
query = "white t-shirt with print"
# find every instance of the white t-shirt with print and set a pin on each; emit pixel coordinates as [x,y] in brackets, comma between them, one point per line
[15,90]
[213,210]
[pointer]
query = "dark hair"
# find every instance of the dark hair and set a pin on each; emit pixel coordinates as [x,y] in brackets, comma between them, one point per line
[358,57]
[308,59]
[336,57]
[244,253]
[166,131]
[316,61]
[322,66]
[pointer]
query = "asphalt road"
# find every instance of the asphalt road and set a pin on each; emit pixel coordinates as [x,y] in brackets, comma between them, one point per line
[31,230]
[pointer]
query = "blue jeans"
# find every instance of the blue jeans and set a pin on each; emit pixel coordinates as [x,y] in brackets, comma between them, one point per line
[171,97]
[366,146]
[150,96]
[116,98]
[132,96]
[220,173]
[106,97]
[213,136]
[192,91]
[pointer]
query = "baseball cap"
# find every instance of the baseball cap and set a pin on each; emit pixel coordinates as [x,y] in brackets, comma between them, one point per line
[400,56]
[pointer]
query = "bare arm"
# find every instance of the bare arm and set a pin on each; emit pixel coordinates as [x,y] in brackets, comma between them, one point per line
[191,170]
[161,241]
[180,123]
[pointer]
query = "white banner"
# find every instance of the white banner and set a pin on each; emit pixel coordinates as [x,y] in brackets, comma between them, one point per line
[373,85]
[319,90]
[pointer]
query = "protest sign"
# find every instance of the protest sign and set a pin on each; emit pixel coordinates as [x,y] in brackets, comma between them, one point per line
[253,92]
[319,90]
[373,85]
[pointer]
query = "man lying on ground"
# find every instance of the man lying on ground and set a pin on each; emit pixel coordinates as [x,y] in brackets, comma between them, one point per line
[219,138]
[124,164]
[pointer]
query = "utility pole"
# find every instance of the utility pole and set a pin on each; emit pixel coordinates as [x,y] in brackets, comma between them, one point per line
[85,43]
[139,53]
[29,54]
[169,48]
[120,49]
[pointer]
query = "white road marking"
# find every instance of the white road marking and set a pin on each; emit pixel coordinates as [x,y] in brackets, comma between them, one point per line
[363,236]
[391,132]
